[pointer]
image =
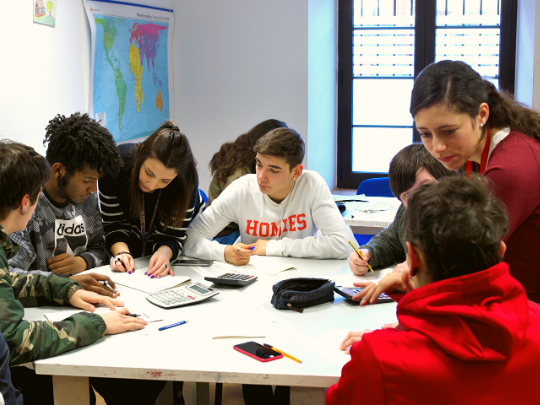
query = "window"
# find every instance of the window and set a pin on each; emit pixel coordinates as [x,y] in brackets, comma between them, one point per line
[383,46]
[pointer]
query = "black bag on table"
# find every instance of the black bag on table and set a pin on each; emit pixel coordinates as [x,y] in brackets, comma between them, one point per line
[298,293]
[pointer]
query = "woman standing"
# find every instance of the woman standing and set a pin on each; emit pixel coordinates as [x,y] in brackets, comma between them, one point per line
[147,207]
[464,120]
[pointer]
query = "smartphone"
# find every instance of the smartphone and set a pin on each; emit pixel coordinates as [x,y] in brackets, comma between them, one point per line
[193,263]
[348,293]
[257,351]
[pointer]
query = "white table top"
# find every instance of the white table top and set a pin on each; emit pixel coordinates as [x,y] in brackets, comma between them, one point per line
[188,353]
[365,211]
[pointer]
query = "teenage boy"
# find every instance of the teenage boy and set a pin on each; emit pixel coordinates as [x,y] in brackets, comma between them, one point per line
[412,167]
[65,235]
[282,210]
[466,331]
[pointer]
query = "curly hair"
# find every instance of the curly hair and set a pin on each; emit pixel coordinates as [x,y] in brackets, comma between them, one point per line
[459,87]
[79,140]
[457,224]
[240,153]
[22,171]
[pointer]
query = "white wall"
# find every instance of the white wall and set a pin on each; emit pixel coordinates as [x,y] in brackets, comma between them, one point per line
[322,90]
[44,70]
[237,63]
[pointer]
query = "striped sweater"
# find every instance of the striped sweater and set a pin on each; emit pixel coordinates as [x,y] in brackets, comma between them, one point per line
[121,226]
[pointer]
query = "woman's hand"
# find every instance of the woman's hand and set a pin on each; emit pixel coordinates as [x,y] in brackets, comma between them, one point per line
[160,263]
[85,299]
[391,283]
[237,254]
[118,322]
[123,261]
[358,266]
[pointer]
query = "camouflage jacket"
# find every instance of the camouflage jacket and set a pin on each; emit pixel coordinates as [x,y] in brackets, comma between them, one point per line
[29,341]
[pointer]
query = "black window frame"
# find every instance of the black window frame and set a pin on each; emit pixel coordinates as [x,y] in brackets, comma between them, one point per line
[424,55]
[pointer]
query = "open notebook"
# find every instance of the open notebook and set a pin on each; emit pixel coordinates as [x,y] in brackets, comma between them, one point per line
[139,281]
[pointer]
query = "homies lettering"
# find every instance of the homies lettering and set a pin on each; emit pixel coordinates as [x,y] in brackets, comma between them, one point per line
[293,223]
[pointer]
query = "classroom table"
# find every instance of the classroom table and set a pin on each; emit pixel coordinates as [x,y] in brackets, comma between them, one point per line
[364,214]
[188,353]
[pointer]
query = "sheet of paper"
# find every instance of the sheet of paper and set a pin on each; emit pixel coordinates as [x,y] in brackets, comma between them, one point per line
[327,346]
[257,266]
[61,315]
[139,281]
[347,279]
[237,320]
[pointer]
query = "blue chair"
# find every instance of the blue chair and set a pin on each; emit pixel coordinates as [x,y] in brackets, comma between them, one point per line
[204,196]
[377,187]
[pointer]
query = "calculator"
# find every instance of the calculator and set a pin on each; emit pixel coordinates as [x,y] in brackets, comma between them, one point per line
[180,296]
[236,279]
[349,292]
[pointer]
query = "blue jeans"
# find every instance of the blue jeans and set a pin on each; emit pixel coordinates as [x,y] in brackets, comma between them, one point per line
[228,239]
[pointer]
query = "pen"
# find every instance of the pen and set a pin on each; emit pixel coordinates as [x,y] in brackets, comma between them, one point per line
[173,325]
[251,248]
[359,254]
[134,315]
[283,353]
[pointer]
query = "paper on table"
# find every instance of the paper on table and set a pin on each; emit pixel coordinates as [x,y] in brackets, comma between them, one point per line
[347,279]
[237,320]
[61,315]
[258,266]
[327,346]
[139,281]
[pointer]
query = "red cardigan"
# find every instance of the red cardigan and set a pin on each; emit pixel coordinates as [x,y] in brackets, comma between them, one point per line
[473,340]
[514,167]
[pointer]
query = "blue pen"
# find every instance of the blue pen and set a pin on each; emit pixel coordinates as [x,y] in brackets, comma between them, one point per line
[173,325]
[251,248]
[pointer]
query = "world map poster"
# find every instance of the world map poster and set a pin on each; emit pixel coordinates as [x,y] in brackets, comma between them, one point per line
[131,75]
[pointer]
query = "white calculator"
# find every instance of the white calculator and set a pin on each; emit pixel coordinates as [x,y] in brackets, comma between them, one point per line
[180,296]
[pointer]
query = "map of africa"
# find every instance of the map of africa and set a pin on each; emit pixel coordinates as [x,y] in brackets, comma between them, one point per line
[131,84]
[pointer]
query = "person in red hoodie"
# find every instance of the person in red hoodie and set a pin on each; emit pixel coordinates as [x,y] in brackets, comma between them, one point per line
[467,333]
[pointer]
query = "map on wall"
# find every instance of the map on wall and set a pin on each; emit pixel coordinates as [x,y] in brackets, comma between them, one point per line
[131,75]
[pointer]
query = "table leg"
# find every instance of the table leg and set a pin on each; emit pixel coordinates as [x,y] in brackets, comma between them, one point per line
[307,395]
[203,393]
[71,390]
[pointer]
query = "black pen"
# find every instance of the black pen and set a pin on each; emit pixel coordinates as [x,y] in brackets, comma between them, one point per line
[134,315]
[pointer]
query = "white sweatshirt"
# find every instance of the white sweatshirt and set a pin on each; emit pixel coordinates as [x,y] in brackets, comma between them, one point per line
[290,226]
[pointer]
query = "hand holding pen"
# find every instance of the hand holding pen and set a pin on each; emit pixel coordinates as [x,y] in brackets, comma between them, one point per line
[238,254]
[123,261]
[358,261]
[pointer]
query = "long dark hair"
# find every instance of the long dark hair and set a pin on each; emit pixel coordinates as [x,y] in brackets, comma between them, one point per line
[171,147]
[459,87]
[239,153]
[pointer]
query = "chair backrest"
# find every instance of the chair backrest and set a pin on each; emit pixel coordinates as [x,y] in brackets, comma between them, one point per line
[378,187]
[204,196]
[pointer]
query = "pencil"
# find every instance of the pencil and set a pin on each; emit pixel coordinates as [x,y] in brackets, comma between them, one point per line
[359,254]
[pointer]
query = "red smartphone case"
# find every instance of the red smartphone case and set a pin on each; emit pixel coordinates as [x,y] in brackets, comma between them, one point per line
[278,356]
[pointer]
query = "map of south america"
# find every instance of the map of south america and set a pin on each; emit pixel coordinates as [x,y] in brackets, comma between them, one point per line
[131,66]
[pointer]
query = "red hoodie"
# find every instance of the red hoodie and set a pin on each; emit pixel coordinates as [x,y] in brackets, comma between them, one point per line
[473,340]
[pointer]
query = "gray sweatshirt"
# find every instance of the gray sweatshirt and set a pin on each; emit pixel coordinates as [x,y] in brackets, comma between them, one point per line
[388,247]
